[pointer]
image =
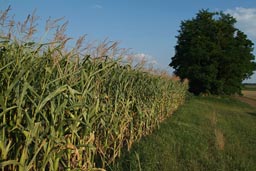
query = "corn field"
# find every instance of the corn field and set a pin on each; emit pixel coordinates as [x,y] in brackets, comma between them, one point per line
[60,110]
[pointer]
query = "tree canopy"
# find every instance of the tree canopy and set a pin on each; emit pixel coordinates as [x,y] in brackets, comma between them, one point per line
[214,55]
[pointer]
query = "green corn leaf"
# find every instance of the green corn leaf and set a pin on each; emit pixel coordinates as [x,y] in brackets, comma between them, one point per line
[50,96]
[6,66]
[10,162]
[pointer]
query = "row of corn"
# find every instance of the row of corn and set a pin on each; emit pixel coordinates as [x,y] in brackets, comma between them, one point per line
[61,111]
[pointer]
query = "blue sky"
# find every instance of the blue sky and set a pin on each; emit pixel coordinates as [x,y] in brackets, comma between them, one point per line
[147,27]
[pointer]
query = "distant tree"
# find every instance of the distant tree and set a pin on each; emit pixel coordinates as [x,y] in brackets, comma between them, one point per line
[214,55]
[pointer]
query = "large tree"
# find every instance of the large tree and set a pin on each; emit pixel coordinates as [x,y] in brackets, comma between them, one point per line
[214,55]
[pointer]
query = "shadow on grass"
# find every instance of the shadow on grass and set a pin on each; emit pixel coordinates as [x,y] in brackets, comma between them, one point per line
[252,113]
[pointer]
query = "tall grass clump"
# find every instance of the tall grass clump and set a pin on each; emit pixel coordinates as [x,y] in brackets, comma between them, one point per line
[67,110]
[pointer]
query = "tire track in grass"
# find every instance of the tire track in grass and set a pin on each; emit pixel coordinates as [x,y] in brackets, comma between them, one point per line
[219,136]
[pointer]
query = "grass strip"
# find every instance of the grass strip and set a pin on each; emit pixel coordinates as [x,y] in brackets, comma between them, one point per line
[207,133]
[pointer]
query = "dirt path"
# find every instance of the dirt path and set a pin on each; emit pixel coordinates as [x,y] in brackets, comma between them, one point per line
[246,100]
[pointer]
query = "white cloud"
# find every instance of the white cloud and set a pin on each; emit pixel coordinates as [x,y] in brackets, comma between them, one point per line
[142,57]
[97,6]
[246,20]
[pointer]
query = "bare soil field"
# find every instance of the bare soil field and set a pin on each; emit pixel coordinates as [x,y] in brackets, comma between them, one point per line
[249,94]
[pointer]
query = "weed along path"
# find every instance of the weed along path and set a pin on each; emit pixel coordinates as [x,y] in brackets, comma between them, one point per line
[206,133]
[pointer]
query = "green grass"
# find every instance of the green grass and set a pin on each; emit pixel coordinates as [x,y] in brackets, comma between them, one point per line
[207,133]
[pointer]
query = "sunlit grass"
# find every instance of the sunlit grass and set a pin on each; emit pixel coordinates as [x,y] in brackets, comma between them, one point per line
[204,134]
